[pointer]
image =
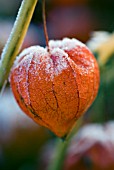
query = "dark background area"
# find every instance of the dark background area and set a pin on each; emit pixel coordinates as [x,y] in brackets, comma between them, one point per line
[23,144]
[71,18]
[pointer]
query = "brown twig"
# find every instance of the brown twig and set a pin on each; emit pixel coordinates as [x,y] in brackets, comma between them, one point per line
[44,24]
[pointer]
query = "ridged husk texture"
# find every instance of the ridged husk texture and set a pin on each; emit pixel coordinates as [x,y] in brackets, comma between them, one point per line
[55,88]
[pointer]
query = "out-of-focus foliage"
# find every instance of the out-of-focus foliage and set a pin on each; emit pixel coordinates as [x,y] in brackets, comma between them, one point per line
[102,110]
[23,144]
[20,138]
[92,148]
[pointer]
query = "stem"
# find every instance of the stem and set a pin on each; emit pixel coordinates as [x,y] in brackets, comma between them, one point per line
[59,155]
[16,38]
[61,148]
[44,24]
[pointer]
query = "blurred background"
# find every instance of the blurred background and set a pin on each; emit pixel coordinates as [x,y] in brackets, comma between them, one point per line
[27,146]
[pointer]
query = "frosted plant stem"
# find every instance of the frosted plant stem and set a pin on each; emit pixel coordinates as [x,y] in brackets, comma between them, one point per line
[61,148]
[16,38]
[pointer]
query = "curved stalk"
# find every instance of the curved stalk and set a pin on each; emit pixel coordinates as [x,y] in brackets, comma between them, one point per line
[61,148]
[59,155]
[44,24]
[16,38]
